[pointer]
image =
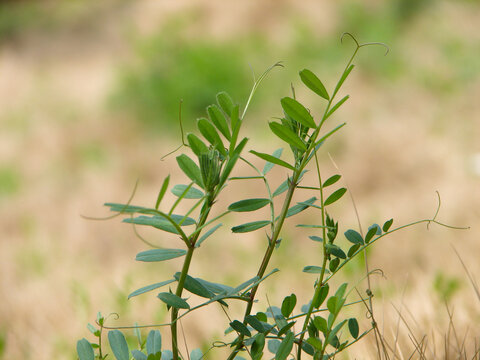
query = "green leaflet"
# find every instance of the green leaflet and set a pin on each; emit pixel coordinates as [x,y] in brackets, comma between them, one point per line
[335,196]
[354,237]
[225,102]
[251,226]
[209,132]
[218,119]
[119,345]
[272,159]
[198,146]
[287,135]
[353,327]
[285,347]
[331,180]
[248,205]
[240,328]
[190,169]
[154,342]
[173,300]
[299,207]
[336,106]
[288,305]
[387,225]
[162,192]
[195,286]
[160,222]
[206,235]
[312,269]
[314,83]
[149,288]
[159,255]
[268,166]
[297,112]
[192,193]
[85,350]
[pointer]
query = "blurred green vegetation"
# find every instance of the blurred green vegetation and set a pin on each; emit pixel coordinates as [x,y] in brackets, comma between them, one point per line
[172,65]
[9,181]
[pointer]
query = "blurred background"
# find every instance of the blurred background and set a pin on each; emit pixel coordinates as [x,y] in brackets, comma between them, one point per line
[89,97]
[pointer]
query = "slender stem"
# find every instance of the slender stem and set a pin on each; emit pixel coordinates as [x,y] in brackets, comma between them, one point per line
[186,265]
[268,254]
[324,264]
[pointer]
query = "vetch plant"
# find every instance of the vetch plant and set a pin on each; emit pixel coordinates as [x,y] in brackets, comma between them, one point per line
[318,329]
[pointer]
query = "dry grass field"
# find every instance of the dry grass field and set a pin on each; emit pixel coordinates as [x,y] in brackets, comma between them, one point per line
[76,131]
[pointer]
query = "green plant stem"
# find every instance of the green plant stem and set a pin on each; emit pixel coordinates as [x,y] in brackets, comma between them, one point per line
[324,264]
[186,266]
[268,254]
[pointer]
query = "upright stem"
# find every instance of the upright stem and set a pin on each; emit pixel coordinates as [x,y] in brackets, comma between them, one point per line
[183,275]
[268,254]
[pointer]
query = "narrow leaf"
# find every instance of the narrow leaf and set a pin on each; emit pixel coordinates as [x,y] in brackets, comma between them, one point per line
[159,222]
[149,288]
[173,300]
[206,235]
[195,287]
[313,83]
[219,120]
[85,350]
[336,106]
[225,102]
[353,249]
[154,342]
[119,345]
[285,347]
[287,135]
[335,196]
[322,295]
[209,132]
[240,328]
[312,269]
[268,166]
[162,192]
[354,237]
[281,188]
[216,288]
[299,207]
[248,205]
[159,255]
[191,193]
[344,76]
[251,226]
[297,112]
[198,146]
[387,225]
[331,180]
[272,159]
[190,169]
[316,238]
[315,342]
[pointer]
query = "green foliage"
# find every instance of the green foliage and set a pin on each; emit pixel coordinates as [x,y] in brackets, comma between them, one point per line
[321,335]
